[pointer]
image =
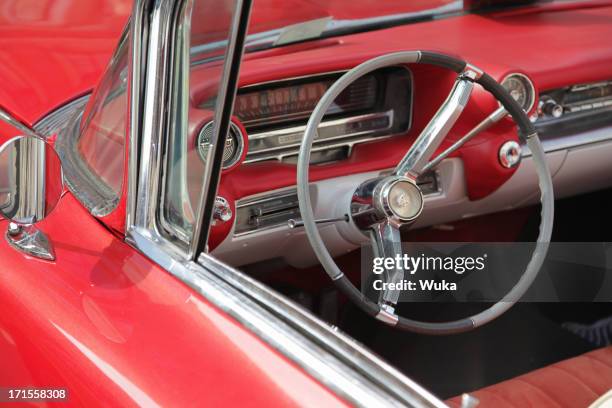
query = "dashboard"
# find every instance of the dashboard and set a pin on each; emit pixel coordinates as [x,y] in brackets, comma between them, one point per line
[374,122]
[274,115]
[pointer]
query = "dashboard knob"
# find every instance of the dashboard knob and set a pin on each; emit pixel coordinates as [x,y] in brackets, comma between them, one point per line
[552,108]
[510,154]
[222,210]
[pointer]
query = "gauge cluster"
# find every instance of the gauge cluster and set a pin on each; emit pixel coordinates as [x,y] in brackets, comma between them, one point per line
[274,114]
[283,102]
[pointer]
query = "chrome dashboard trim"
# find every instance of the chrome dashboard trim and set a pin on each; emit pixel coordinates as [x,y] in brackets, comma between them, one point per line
[261,197]
[328,123]
[291,79]
[575,141]
[362,137]
[258,199]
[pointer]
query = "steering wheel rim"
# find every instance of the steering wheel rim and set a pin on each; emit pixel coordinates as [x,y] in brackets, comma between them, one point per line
[526,132]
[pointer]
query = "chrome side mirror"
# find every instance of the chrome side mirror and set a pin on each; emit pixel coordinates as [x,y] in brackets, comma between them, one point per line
[31,185]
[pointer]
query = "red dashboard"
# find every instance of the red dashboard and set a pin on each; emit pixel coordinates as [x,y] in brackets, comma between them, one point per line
[497,43]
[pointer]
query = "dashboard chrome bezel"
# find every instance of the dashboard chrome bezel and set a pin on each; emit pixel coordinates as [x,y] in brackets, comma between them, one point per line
[529,85]
[239,149]
[334,121]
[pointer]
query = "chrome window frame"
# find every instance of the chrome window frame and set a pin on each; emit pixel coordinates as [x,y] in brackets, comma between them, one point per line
[67,121]
[326,354]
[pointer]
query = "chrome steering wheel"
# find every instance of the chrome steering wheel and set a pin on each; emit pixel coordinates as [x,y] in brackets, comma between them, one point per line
[382,205]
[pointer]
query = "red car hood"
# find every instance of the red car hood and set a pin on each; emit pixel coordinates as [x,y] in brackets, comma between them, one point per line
[54,50]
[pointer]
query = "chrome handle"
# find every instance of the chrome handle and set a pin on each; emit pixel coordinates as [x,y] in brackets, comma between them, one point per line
[292,223]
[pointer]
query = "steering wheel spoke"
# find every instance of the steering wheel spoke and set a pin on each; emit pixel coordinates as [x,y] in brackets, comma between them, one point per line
[387,243]
[417,157]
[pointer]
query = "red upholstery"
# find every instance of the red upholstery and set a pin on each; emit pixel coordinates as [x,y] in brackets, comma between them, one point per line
[576,382]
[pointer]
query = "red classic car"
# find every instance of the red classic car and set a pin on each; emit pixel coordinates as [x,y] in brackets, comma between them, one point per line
[213,203]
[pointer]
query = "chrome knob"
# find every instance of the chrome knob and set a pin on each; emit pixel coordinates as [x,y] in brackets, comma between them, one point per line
[552,108]
[14,229]
[510,154]
[222,210]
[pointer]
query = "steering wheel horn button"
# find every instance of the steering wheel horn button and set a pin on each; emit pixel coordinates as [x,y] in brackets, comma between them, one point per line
[400,199]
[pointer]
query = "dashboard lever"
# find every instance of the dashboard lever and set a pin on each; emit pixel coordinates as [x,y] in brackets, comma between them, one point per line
[486,123]
[292,223]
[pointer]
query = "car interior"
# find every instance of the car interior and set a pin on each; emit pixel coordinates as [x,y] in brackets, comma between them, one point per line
[483,190]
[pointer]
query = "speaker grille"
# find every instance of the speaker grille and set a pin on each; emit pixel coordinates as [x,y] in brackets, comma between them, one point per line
[233,144]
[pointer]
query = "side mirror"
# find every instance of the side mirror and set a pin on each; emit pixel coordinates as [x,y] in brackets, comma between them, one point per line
[31,185]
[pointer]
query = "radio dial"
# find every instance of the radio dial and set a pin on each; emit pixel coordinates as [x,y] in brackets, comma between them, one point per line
[552,108]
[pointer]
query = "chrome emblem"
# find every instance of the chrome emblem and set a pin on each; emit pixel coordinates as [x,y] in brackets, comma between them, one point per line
[403,200]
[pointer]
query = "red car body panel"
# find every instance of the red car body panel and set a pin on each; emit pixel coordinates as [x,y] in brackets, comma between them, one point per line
[116,329]
[53,51]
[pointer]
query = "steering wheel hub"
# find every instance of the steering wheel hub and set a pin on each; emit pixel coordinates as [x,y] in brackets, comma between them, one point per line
[400,199]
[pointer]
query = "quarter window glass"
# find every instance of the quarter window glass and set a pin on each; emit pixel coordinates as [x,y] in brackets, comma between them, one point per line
[102,141]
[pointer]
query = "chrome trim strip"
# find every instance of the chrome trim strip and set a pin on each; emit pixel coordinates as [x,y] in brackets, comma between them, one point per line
[569,142]
[291,79]
[343,140]
[326,354]
[335,122]
[139,31]
[60,117]
[330,338]
[266,196]
[323,146]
